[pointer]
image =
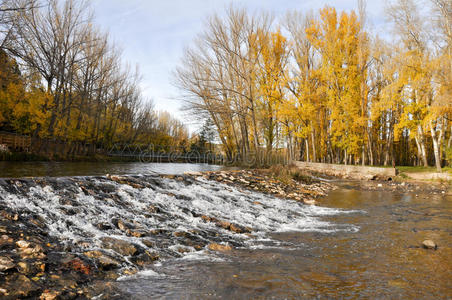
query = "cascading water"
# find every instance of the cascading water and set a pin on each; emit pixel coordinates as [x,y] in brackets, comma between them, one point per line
[170,217]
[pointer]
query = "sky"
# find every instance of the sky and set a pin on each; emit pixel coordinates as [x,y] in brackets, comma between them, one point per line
[154,33]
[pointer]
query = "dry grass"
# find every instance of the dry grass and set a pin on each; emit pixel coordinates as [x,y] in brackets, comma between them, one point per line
[285,173]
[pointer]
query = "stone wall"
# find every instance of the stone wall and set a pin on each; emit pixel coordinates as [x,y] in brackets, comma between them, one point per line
[430,176]
[348,171]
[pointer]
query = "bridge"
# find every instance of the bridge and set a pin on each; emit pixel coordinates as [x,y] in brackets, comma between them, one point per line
[15,142]
[157,153]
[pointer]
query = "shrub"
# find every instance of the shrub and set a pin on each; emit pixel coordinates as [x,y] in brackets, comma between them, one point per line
[285,173]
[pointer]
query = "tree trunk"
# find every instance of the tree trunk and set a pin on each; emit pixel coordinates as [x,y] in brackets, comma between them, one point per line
[314,158]
[422,146]
[436,147]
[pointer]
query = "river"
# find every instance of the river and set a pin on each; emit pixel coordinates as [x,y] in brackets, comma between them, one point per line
[353,244]
[14,169]
[382,259]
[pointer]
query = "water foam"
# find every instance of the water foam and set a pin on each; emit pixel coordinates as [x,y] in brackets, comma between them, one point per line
[180,207]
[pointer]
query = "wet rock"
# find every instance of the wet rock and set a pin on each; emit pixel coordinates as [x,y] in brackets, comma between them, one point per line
[79,266]
[6,263]
[35,252]
[145,258]
[309,201]
[180,233]
[206,218]
[22,244]
[24,267]
[38,221]
[103,226]
[153,209]
[19,286]
[224,224]
[136,233]
[120,246]
[237,228]
[193,173]
[49,295]
[108,263]
[148,243]
[104,261]
[5,241]
[9,216]
[93,254]
[429,244]
[219,247]
[183,250]
[121,225]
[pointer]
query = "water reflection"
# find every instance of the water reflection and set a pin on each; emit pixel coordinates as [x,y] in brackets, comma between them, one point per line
[58,169]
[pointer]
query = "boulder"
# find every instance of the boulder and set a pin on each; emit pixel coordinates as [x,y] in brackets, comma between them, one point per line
[429,244]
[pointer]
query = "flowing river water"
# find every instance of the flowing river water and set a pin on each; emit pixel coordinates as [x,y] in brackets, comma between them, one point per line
[369,249]
[353,244]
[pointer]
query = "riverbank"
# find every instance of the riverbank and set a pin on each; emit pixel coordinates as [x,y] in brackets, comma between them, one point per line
[309,187]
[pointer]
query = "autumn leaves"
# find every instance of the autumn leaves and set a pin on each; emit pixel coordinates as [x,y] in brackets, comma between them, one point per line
[322,86]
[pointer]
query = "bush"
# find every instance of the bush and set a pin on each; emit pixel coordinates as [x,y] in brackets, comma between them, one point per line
[285,173]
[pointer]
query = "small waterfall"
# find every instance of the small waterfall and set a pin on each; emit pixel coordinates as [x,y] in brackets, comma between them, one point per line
[168,217]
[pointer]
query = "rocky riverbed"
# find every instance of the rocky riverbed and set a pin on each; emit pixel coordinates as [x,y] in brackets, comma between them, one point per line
[304,188]
[72,237]
[434,188]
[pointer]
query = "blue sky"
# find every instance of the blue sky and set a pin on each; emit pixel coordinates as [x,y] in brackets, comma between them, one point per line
[154,33]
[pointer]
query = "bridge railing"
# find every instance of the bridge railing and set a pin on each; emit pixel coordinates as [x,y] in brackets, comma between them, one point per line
[157,153]
[15,142]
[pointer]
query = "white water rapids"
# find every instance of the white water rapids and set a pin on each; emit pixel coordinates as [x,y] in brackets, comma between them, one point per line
[83,210]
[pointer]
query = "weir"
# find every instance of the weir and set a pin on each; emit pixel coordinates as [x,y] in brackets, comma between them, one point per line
[126,217]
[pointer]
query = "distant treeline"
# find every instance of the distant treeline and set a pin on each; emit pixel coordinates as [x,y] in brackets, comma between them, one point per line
[324,87]
[61,78]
